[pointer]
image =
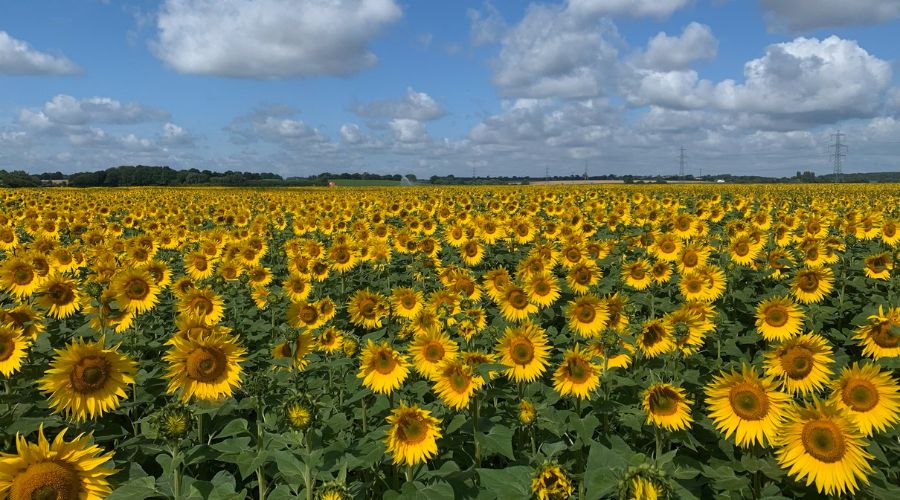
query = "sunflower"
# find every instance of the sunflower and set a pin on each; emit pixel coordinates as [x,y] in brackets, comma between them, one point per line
[330,340]
[19,277]
[296,350]
[666,247]
[160,273]
[135,290]
[297,414]
[12,349]
[495,281]
[526,413]
[406,302]
[87,380]
[879,266]
[514,304]
[456,382]
[743,250]
[667,406]
[60,296]
[655,338]
[812,284]
[428,350]
[801,363]
[367,309]
[203,305]
[259,276]
[587,315]
[57,470]
[869,396]
[637,274]
[582,276]
[577,375]
[25,318]
[661,272]
[204,366]
[615,307]
[778,318]
[412,435]
[296,287]
[549,482]
[820,443]
[693,287]
[198,266]
[524,350]
[471,252]
[746,406]
[382,368]
[542,289]
[304,315]
[881,336]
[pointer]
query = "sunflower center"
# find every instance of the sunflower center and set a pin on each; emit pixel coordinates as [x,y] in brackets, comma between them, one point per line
[471,249]
[341,256]
[459,381]
[541,288]
[90,374]
[408,301]
[667,247]
[23,275]
[384,362]
[690,259]
[573,255]
[860,395]
[61,294]
[517,299]
[7,347]
[652,335]
[741,249]
[434,352]
[664,401]
[884,336]
[202,306]
[877,265]
[206,364]
[808,282]
[797,362]
[823,440]
[694,286]
[585,313]
[521,352]
[776,316]
[412,431]
[46,481]
[582,277]
[367,309]
[308,314]
[137,289]
[579,371]
[749,401]
[637,273]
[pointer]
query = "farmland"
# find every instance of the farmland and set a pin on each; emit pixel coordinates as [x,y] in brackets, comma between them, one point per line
[690,341]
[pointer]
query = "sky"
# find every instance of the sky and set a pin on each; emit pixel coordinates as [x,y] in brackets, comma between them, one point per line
[299,87]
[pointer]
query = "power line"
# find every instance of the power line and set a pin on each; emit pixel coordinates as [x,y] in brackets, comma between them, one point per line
[839,152]
[681,161]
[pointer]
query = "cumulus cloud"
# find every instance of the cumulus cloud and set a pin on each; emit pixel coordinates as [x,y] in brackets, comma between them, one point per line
[67,110]
[802,15]
[414,106]
[274,124]
[174,135]
[668,53]
[632,8]
[555,53]
[811,80]
[271,38]
[485,27]
[407,130]
[19,58]
[670,89]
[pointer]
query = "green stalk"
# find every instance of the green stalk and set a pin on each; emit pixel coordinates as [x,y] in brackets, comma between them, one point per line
[659,444]
[474,411]
[176,474]
[260,438]
[365,427]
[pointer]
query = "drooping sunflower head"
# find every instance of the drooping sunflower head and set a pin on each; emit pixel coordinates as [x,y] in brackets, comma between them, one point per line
[778,318]
[59,470]
[869,396]
[801,363]
[550,482]
[86,379]
[820,443]
[412,435]
[524,350]
[667,406]
[746,406]
[382,368]
[330,340]
[205,367]
[880,337]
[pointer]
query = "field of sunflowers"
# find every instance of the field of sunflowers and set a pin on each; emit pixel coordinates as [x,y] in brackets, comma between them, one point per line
[438,343]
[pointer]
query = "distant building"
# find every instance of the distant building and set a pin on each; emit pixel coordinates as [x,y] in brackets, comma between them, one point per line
[55,182]
[720,181]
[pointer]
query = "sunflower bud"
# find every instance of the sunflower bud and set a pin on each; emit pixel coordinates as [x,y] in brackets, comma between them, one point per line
[297,414]
[174,422]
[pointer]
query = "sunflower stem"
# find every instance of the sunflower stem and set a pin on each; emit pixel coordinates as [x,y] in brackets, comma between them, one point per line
[475,431]
[260,443]
[176,474]
[365,427]
[659,444]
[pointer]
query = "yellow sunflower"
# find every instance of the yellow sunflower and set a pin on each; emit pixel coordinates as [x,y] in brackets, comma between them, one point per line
[87,380]
[542,289]
[637,274]
[801,363]
[412,435]
[577,375]
[456,382]
[524,350]
[879,266]
[746,406]
[406,302]
[19,277]
[203,305]
[367,309]
[587,315]
[812,284]
[24,317]
[297,350]
[60,296]
[881,336]
[582,276]
[778,318]
[655,338]
[615,306]
[204,366]
[58,470]
[382,368]
[667,406]
[428,350]
[869,396]
[296,287]
[514,303]
[549,482]
[12,349]
[821,444]
[330,340]
[135,290]
[304,315]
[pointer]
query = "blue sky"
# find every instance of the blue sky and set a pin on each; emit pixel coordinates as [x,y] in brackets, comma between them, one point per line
[301,87]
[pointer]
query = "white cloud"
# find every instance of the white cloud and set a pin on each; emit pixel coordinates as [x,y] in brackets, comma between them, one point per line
[554,53]
[174,135]
[273,124]
[351,133]
[670,89]
[668,53]
[271,38]
[414,105]
[811,80]
[18,58]
[485,28]
[633,8]
[65,109]
[802,15]
[407,130]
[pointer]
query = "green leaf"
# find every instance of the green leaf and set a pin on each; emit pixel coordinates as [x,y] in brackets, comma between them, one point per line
[511,483]
[497,440]
[604,466]
[136,489]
